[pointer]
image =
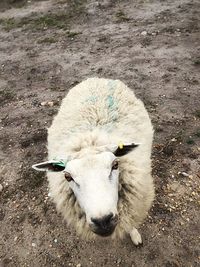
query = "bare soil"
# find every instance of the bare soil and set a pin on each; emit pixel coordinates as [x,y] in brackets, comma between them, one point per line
[46,47]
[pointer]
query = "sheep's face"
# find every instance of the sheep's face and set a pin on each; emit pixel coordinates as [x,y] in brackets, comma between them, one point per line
[93,174]
[94,181]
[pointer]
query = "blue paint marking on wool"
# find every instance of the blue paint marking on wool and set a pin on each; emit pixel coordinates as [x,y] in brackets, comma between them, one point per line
[91,99]
[112,109]
[111,84]
[110,101]
[112,105]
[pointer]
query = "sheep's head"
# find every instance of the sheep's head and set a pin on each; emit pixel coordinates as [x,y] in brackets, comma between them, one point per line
[93,177]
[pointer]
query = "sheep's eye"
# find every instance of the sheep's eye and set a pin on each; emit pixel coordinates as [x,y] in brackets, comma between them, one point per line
[115,165]
[68,177]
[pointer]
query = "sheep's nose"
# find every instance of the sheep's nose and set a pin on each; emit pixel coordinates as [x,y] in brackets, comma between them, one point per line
[105,225]
[104,221]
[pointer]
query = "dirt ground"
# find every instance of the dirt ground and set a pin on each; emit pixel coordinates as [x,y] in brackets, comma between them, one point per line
[46,47]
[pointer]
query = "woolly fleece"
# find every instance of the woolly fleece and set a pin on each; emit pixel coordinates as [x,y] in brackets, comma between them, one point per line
[94,113]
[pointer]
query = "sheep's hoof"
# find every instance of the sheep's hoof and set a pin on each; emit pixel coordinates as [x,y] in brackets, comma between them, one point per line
[136,237]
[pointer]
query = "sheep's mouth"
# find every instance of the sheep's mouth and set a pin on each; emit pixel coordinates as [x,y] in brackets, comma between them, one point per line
[103,231]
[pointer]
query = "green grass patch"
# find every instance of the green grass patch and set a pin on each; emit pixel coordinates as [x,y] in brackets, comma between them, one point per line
[190,141]
[51,21]
[8,24]
[61,20]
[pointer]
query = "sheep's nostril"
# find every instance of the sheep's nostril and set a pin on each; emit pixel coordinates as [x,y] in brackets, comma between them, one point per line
[103,222]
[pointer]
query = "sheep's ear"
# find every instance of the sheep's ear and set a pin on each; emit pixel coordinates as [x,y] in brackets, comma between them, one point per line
[124,149]
[52,165]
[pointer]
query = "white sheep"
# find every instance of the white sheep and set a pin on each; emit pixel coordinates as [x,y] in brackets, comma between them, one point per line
[99,167]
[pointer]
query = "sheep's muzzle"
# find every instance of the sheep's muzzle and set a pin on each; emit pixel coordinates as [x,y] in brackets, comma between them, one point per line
[104,226]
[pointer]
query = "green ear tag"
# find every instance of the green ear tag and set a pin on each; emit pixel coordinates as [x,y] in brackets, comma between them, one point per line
[60,163]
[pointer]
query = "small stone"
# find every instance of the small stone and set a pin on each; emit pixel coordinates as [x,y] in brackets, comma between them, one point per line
[78,265]
[15,239]
[185,174]
[43,103]
[50,103]
[1,187]
[33,245]
[119,261]
[144,33]
[173,139]
[55,240]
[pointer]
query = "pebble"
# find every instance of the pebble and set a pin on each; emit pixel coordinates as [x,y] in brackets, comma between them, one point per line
[1,187]
[78,265]
[144,33]
[50,103]
[47,103]
[15,239]
[173,139]
[119,260]
[55,240]
[43,103]
[33,245]
[185,174]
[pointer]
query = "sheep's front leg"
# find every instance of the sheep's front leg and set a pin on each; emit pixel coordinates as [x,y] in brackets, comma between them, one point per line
[136,237]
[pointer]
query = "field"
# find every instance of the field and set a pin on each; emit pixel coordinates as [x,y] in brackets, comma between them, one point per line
[47,47]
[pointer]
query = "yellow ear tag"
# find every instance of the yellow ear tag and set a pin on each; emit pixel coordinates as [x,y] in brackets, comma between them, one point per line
[121,145]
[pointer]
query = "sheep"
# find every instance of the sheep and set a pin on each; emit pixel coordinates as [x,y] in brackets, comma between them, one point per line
[99,167]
